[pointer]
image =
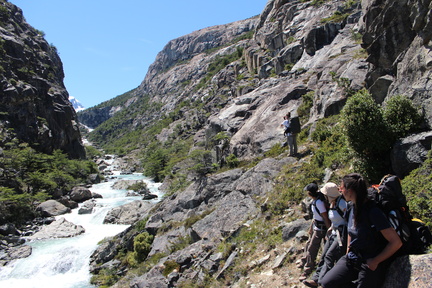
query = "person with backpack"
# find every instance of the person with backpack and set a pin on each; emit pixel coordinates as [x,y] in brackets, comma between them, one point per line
[318,230]
[291,136]
[372,241]
[335,246]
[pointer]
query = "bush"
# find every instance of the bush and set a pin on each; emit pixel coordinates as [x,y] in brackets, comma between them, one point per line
[401,116]
[232,161]
[364,125]
[417,187]
[142,246]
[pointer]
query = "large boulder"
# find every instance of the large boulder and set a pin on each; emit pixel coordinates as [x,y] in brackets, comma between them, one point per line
[52,208]
[413,271]
[129,213]
[409,153]
[60,228]
[80,194]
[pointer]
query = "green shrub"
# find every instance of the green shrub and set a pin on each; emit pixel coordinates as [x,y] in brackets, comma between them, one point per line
[232,161]
[401,116]
[142,246]
[364,125]
[417,187]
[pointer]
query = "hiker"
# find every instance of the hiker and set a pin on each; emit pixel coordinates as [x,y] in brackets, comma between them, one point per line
[335,246]
[317,231]
[291,137]
[371,240]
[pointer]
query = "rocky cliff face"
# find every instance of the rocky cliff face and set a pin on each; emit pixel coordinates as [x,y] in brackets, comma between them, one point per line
[297,47]
[33,99]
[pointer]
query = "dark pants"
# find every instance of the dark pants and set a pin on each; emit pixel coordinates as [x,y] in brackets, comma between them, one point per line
[331,254]
[346,275]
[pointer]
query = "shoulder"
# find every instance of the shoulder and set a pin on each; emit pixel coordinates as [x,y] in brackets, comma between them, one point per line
[320,203]
[342,203]
[377,217]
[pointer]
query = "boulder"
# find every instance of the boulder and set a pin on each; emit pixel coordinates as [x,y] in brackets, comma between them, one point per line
[80,194]
[409,153]
[87,207]
[52,208]
[60,228]
[410,271]
[8,229]
[129,213]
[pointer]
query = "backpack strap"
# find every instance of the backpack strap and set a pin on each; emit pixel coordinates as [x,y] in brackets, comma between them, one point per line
[337,208]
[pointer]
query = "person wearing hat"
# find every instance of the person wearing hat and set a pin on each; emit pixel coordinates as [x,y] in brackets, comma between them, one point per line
[317,232]
[335,246]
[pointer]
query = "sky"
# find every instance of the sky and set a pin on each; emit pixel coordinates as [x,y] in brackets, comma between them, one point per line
[106,46]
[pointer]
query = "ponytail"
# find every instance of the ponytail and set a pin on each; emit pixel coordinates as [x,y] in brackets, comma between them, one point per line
[358,184]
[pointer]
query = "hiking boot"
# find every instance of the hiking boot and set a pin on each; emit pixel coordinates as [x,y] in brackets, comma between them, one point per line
[300,263]
[303,277]
[310,283]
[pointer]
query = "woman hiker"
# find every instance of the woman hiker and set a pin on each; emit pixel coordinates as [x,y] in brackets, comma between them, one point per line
[335,246]
[317,231]
[372,241]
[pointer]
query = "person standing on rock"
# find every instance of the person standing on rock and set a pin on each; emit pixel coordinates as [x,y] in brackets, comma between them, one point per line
[335,246]
[320,225]
[291,137]
[372,241]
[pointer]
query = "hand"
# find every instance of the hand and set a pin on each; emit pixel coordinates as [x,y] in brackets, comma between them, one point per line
[372,264]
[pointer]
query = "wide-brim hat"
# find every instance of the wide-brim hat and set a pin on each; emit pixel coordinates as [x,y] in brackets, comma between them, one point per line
[331,190]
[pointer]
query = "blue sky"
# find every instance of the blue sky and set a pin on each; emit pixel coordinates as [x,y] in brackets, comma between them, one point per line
[107,46]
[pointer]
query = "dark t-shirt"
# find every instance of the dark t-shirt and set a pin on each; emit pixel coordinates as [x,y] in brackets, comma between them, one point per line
[366,237]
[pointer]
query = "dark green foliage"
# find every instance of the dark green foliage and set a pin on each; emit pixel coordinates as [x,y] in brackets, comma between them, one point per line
[202,161]
[371,130]
[364,125]
[401,116]
[142,246]
[232,161]
[30,177]
[417,187]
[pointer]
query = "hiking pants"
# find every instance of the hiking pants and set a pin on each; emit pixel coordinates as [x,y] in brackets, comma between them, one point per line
[312,247]
[346,275]
[332,252]
[292,143]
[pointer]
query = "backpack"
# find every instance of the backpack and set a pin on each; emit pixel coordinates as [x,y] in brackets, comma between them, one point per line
[389,198]
[295,125]
[421,237]
[320,196]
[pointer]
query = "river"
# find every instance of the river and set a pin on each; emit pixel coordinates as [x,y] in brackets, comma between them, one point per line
[64,263]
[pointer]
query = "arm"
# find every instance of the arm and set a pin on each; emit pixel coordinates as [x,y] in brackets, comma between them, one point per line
[327,221]
[393,245]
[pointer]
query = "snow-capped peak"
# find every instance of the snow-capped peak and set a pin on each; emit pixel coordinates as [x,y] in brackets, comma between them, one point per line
[76,104]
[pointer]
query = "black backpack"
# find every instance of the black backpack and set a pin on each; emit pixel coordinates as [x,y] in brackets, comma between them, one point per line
[389,198]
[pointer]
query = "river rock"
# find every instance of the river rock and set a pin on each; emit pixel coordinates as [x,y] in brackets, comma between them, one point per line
[129,213]
[8,229]
[80,194]
[60,228]
[52,208]
[87,207]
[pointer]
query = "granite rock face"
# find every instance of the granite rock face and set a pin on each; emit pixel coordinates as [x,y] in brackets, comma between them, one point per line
[33,99]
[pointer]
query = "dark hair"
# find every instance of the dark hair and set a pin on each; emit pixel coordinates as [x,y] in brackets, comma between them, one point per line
[288,115]
[312,188]
[358,184]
